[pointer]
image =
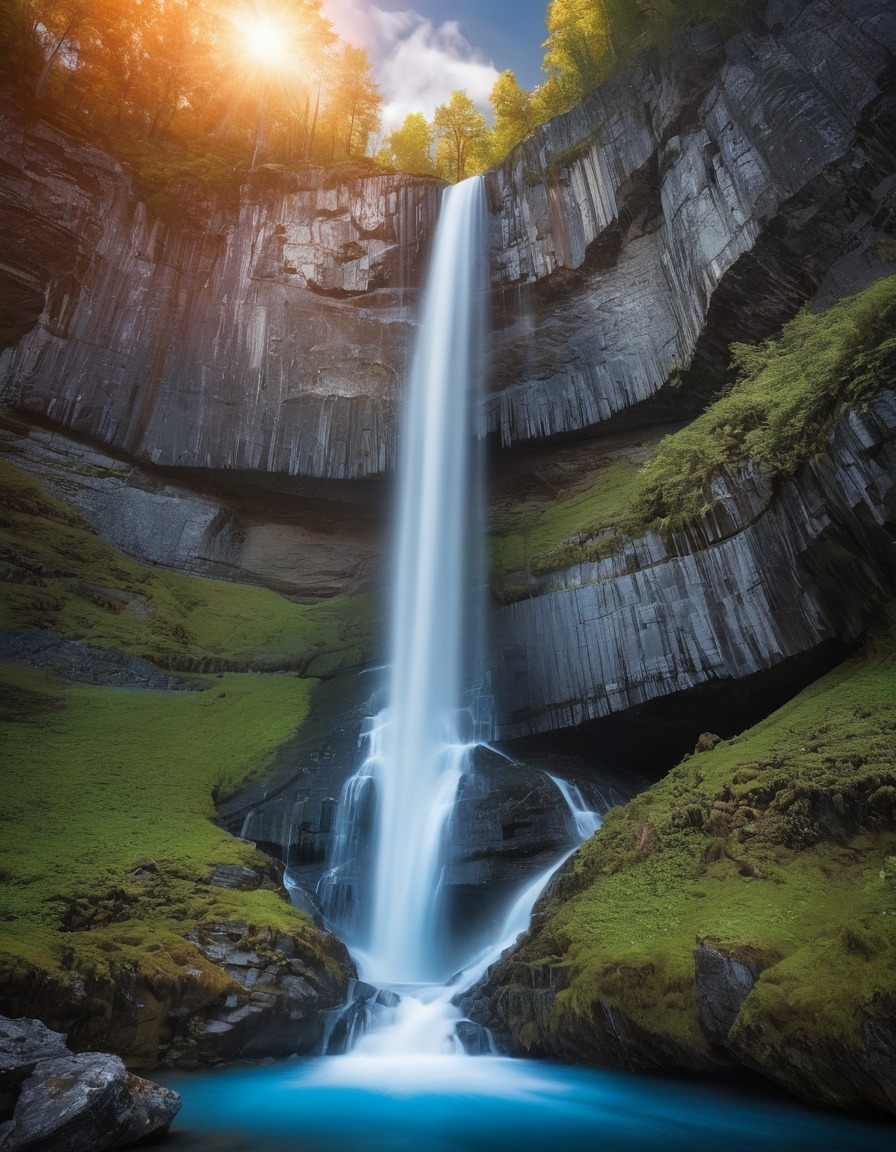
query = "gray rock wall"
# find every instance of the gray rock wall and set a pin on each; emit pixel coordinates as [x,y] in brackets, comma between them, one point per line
[275,340]
[765,577]
[687,203]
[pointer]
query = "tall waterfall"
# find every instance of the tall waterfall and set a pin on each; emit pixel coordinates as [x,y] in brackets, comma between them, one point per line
[419,745]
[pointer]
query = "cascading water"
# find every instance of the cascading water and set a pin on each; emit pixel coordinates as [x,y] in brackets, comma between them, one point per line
[419,745]
[383,889]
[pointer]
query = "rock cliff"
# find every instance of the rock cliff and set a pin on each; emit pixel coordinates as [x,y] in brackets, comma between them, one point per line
[275,339]
[689,202]
[766,576]
[272,340]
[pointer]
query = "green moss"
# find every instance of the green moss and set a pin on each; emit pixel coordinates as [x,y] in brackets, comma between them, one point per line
[532,537]
[778,841]
[55,573]
[778,413]
[782,405]
[101,780]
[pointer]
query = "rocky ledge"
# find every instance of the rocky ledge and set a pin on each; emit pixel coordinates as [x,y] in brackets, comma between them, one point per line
[688,202]
[54,1100]
[766,575]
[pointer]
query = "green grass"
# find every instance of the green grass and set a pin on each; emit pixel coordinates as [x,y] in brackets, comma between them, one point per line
[99,780]
[55,573]
[780,841]
[787,394]
[530,537]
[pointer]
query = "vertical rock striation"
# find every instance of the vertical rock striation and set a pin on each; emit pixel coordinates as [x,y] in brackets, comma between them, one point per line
[688,202]
[273,340]
[764,577]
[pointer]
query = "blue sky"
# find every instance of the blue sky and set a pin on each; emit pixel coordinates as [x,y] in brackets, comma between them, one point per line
[422,49]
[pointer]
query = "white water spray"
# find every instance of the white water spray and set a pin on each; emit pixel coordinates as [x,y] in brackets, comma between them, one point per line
[384,889]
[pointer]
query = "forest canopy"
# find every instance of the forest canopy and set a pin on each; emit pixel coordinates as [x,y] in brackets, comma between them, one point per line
[201,88]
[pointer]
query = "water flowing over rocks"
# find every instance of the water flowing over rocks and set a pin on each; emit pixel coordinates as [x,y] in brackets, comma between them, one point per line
[687,203]
[765,576]
[73,1103]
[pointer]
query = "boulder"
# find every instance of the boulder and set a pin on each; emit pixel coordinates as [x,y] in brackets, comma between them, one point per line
[87,1103]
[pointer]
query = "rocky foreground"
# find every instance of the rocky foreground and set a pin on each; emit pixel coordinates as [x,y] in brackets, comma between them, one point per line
[54,1100]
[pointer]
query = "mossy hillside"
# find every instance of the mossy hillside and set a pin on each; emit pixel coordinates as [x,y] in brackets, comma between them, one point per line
[786,396]
[108,843]
[779,843]
[55,573]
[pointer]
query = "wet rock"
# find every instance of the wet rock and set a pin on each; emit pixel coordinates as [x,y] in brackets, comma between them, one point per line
[723,982]
[87,1103]
[236,877]
[282,1000]
[474,1039]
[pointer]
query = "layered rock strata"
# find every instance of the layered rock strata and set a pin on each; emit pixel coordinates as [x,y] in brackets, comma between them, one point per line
[274,340]
[689,202]
[765,576]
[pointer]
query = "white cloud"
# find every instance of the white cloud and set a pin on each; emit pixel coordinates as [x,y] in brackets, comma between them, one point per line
[417,63]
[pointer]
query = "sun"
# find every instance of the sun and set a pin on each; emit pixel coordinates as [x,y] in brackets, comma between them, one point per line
[266,41]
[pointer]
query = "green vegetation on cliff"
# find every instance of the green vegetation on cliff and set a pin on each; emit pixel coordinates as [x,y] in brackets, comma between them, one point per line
[108,846]
[778,846]
[57,574]
[785,398]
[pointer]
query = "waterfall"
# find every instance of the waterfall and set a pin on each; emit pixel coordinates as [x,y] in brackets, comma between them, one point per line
[418,747]
[383,889]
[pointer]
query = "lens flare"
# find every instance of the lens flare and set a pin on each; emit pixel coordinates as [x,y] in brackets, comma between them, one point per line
[265,41]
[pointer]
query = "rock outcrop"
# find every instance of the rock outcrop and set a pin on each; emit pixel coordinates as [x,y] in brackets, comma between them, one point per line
[688,202]
[87,1102]
[272,341]
[765,576]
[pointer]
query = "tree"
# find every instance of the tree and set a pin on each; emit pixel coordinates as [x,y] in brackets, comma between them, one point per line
[409,148]
[355,102]
[579,47]
[512,106]
[463,135]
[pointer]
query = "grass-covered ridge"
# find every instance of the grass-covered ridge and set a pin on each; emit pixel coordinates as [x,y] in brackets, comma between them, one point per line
[786,396]
[55,573]
[779,844]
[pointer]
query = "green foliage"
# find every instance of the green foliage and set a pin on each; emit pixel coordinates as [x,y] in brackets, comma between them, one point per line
[777,843]
[783,403]
[174,88]
[57,574]
[786,396]
[590,39]
[514,119]
[100,780]
[543,533]
[409,148]
[464,138]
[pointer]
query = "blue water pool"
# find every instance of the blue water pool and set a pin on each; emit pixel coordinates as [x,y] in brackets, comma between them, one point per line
[451,1104]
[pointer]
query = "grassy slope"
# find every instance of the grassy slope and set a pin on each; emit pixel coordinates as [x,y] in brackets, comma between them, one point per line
[99,780]
[780,841]
[787,395]
[58,574]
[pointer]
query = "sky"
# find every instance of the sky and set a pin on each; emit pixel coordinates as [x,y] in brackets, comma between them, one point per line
[422,49]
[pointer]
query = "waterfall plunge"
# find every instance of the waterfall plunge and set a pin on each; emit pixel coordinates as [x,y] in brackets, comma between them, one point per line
[418,745]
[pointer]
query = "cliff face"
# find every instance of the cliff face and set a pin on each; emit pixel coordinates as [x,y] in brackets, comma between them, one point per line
[764,577]
[274,340]
[687,203]
[690,201]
